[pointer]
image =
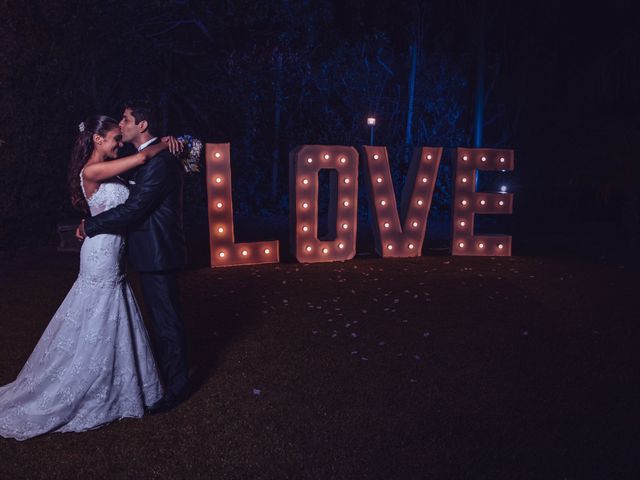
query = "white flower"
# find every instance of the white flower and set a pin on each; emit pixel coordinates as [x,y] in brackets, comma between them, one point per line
[81,127]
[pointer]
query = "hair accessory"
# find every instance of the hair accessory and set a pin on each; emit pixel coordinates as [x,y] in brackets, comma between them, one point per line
[81,127]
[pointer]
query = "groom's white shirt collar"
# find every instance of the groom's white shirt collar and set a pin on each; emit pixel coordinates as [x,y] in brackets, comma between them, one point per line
[146,144]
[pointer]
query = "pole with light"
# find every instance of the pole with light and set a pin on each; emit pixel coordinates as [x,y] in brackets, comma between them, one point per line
[371,121]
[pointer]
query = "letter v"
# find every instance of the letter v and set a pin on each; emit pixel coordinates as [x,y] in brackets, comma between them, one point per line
[392,239]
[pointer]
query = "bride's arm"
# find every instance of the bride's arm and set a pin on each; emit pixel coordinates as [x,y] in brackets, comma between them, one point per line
[98,172]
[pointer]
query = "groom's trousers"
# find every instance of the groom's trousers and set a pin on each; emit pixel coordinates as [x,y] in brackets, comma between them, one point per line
[162,298]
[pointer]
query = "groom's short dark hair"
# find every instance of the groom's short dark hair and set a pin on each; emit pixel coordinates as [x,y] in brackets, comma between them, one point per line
[144,110]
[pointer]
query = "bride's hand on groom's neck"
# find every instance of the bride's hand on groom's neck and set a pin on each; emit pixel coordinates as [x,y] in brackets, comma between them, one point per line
[175,146]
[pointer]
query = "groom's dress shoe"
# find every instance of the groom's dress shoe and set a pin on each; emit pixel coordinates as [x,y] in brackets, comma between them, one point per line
[168,402]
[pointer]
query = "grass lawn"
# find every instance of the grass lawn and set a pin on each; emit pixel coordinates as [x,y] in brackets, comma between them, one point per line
[436,367]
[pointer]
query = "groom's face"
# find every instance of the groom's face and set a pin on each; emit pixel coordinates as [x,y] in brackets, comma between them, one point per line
[128,128]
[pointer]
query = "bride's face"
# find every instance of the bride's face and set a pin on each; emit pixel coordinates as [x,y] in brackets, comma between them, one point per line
[109,144]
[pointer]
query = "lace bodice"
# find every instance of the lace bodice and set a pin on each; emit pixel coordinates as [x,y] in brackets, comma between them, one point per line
[108,195]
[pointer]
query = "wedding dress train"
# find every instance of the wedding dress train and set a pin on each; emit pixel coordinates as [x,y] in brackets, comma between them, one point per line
[93,363]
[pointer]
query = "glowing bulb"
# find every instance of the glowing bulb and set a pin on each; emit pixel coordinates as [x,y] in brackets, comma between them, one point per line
[383,202]
[219,204]
[305,228]
[464,179]
[386,225]
[424,179]
[503,188]
[309,160]
[414,224]
[463,202]
[500,246]
[221,254]
[326,156]
[483,159]
[343,160]
[420,202]
[267,251]
[371,121]
[305,205]
[345,203]
[411,246]
[462,223]
[461,244]
[305,181]
[325,250]
[389,247]
[465,158]
[376,156]
[308,248]
[220,229]
[481,245]
[379,179]
[244,253]
[341,245]
[346,180]
[482,202]
[218,180]
[217,154]
[502,160]
[429,157]
[501,202]
[345,226]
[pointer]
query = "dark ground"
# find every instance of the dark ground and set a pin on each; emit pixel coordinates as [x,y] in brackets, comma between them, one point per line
[435,367]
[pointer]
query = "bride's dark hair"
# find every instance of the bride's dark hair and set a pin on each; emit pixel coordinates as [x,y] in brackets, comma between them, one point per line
[82,150]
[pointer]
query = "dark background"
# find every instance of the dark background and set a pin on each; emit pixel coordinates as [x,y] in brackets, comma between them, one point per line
[555,81]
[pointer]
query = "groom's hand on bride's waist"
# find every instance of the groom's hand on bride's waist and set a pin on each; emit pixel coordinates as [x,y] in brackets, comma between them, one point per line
[80,234]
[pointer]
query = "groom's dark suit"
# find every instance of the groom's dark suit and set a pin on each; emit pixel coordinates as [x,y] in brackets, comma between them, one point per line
[152,220]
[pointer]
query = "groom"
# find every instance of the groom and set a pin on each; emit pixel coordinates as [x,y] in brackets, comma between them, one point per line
[152,218]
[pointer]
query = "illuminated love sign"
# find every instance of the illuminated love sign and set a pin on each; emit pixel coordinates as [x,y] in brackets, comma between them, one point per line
[395,234]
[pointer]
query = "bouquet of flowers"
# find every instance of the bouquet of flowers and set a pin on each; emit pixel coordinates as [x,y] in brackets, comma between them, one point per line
[190,156]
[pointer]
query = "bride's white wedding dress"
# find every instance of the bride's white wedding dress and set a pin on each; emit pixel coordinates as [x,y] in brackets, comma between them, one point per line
[93,363]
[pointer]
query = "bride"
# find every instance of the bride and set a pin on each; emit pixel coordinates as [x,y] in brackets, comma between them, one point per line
[93,363]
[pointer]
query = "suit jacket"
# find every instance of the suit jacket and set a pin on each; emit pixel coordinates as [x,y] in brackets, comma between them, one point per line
[151,217]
